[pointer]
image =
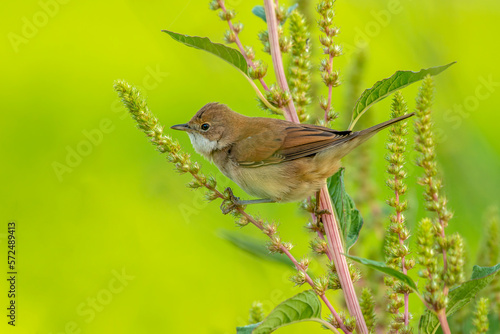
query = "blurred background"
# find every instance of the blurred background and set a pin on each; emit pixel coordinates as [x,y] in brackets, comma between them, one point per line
[109,237]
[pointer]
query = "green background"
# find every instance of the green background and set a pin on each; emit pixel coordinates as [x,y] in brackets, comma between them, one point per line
[121,208]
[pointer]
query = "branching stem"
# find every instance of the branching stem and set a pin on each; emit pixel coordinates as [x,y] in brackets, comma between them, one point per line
[330,223]
[285,251]
[443,321]
[240,46]
[335,245]
[272,26]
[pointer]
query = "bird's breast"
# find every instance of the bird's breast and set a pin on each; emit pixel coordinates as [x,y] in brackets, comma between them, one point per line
[284,182]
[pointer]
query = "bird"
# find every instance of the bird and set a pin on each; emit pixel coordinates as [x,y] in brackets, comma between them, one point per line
[272,159]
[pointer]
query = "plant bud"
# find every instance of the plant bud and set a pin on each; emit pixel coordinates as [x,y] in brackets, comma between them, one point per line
[214,5]
[237,27]
[258,71]
[249,52]
[229,37]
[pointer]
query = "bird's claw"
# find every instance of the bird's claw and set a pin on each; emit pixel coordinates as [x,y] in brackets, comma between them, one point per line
[230,195]
[320,213]
[231,202]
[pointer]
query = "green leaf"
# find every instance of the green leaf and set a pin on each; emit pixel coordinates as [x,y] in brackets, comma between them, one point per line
[459,297]
[383,88]
[232,56]
[247,329]
[259,11]
[304,306]
[350,219]
[381,266]
[254,247]
[291,9]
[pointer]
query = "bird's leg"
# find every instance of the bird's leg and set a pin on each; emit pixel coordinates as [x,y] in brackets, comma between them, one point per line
[317,201]
[255,201]
[319,213]
[232,202]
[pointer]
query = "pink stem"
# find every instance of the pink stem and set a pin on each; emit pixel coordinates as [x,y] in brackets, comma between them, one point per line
[284,250]
[444,322]
[322,296]
[298,267]
[240,46]
[336,248]
[329,221]
[272,26]
[407,311]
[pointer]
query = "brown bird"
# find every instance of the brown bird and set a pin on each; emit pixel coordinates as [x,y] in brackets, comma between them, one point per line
[272,159]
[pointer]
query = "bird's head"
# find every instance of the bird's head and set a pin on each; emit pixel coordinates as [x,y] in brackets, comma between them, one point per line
[211,128]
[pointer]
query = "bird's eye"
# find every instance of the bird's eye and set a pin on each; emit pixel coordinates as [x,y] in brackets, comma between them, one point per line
[205,126]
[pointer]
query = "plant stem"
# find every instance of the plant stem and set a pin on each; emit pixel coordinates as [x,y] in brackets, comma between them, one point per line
[149,124]
[407,311]
[322,296]
[240,46]
[444,322]
[272,25]
[284,250]
[262,97]
[327,325]
[298,267]
[330,223]
[335,244]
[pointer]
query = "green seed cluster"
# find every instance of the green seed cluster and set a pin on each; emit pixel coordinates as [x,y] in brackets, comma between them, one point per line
[300,67]
[349,322]
[396,248]
[427,257]
[330,48]
[276,97]
[367,305]
[480,321]
[437,246]
[284,41]
[148,123]
[256,313]
[425,145]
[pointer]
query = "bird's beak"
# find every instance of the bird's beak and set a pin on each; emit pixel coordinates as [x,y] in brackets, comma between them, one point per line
[182,127]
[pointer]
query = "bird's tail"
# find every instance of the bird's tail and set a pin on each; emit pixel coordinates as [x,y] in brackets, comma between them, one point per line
[357,138]
[376,128]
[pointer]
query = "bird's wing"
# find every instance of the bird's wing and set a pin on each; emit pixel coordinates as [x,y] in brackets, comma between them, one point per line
[258,147]
[285,144]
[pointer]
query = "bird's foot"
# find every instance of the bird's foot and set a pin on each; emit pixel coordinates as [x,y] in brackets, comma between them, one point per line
[231,202]
[317,212]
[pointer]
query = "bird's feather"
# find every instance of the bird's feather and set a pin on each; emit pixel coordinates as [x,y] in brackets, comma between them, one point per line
[295,141]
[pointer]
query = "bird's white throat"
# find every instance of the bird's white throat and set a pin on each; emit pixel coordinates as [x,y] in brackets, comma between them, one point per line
[202,145]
